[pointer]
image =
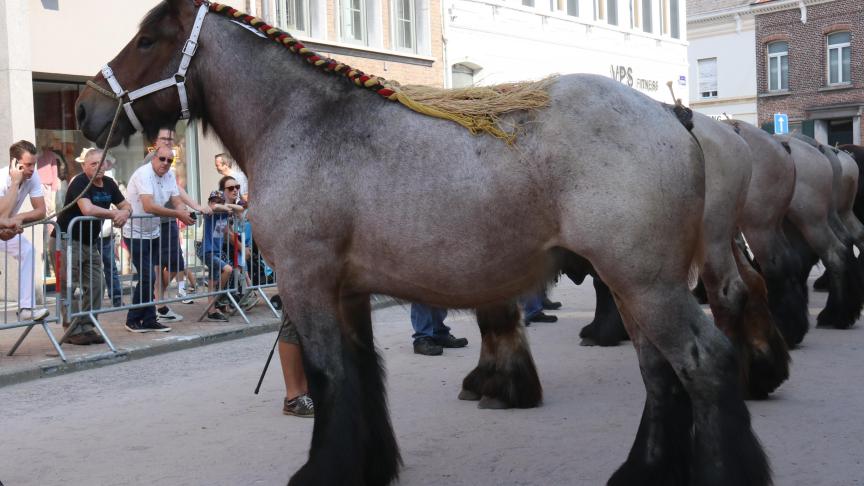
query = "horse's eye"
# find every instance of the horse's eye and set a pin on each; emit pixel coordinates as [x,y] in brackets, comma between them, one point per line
[145,42]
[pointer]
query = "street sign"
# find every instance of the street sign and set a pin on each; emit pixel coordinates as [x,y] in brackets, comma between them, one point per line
[781,123]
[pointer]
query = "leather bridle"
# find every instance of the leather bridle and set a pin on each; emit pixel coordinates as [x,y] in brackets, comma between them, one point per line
[178,79]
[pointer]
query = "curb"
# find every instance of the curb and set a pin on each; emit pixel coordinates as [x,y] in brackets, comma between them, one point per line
[152,348]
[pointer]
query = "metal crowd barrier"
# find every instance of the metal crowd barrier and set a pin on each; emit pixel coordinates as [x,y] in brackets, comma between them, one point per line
[260,274]
[21,250]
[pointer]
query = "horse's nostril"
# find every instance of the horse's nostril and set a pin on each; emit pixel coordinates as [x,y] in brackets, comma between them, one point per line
[80,114]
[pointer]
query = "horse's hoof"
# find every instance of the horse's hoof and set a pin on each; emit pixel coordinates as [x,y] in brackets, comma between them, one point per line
[490,403]
[588,342]
[469,395]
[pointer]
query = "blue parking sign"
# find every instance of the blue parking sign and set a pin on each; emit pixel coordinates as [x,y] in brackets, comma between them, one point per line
[781,123]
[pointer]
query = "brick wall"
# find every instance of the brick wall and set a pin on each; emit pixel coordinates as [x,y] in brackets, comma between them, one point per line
[808,57]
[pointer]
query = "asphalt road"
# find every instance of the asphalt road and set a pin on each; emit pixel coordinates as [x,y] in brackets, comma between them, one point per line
[190,418]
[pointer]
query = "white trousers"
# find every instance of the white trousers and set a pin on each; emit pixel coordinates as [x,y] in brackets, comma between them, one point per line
[21,250]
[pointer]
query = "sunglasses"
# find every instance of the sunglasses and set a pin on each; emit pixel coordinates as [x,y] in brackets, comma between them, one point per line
[165,159]
[232,188]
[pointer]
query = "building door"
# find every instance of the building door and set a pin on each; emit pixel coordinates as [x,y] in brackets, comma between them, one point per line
[839,132]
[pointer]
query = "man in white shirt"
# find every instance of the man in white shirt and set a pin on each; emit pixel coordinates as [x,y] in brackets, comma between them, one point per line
[150,187]
[17,182]
[226,166]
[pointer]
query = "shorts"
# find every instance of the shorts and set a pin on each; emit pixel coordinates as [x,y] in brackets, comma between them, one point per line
[215,262]
[288,333]
[169,247]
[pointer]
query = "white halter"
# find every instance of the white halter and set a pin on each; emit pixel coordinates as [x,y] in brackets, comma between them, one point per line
[179,79]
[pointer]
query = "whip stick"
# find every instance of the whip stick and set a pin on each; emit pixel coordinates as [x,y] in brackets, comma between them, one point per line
[269,357]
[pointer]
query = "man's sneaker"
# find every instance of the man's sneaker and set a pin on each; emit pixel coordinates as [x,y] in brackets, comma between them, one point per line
[164,314]
[155,327]
[301,406]
[81,339]
[427,346]
[95,337]
[449,341]
[117,302]
[217,316]
[248,300]
[136,327]
[32,314]
[182,293]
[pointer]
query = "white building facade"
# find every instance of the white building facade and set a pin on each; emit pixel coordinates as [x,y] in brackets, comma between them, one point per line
[722,58]
[641,43]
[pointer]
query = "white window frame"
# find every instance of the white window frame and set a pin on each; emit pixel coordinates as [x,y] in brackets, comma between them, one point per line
[839,47]
[396,38]
[707,94]
[778,56]
[345,13]
[282,9]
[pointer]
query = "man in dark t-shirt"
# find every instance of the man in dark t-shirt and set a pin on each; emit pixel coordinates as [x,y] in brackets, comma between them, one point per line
[84,243]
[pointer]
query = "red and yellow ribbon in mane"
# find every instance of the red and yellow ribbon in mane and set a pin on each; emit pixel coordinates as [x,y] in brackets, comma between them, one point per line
[475,124]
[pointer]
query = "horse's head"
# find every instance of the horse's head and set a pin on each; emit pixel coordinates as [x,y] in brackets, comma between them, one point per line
[152,56]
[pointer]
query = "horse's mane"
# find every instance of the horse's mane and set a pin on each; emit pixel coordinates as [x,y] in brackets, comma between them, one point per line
[479,109]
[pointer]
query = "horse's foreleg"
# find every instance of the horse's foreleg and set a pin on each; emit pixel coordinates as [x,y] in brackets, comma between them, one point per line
[606,329]
[352,440]
[721,448]
[505,376]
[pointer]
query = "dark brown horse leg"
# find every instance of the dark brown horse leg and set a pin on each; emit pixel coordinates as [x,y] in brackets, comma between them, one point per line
[764,345]
[506,376]
[739,310]
[606,329]
[352,440]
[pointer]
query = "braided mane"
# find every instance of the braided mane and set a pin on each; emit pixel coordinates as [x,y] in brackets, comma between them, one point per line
[478,109]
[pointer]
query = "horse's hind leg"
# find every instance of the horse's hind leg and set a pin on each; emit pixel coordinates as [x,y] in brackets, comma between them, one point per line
[352,440]
[740,309]
[506,376]
[769,356]
[846,285]
[781,269]
[680,348]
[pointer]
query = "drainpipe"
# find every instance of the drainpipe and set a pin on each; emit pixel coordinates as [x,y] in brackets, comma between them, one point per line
[445,20]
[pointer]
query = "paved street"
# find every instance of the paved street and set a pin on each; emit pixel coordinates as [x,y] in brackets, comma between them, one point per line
[190,418]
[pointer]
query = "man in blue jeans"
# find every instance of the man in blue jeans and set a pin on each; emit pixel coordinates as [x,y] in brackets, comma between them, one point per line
[431,336]
[150,187]
[109,268]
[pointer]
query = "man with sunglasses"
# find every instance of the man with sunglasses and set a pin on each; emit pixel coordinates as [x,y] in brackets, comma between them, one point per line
[150,188]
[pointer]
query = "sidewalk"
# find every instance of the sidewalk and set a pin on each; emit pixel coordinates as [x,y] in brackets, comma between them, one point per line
[36,358]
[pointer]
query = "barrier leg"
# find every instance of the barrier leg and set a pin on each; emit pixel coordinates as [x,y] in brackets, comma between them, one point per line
[267,301]
[102,332]
[20,340]
[237,307]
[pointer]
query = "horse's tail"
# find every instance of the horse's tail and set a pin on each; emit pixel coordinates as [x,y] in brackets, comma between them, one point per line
[697,261]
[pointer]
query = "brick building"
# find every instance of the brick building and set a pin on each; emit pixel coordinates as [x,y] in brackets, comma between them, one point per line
[810,65]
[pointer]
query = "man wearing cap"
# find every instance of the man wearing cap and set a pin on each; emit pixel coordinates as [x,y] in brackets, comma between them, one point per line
[85,244]
[17,182]
[150,187]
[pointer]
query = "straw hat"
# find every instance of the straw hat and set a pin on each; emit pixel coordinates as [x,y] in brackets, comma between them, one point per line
[109,159]
[84,151]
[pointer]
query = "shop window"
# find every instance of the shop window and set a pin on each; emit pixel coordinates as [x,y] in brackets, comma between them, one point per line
[778,66]
[405,25]
[839,58]
[674,19]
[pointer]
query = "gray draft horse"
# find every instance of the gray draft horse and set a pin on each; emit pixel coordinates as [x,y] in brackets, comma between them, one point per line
[736,200]
[817,232]
[356,195]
